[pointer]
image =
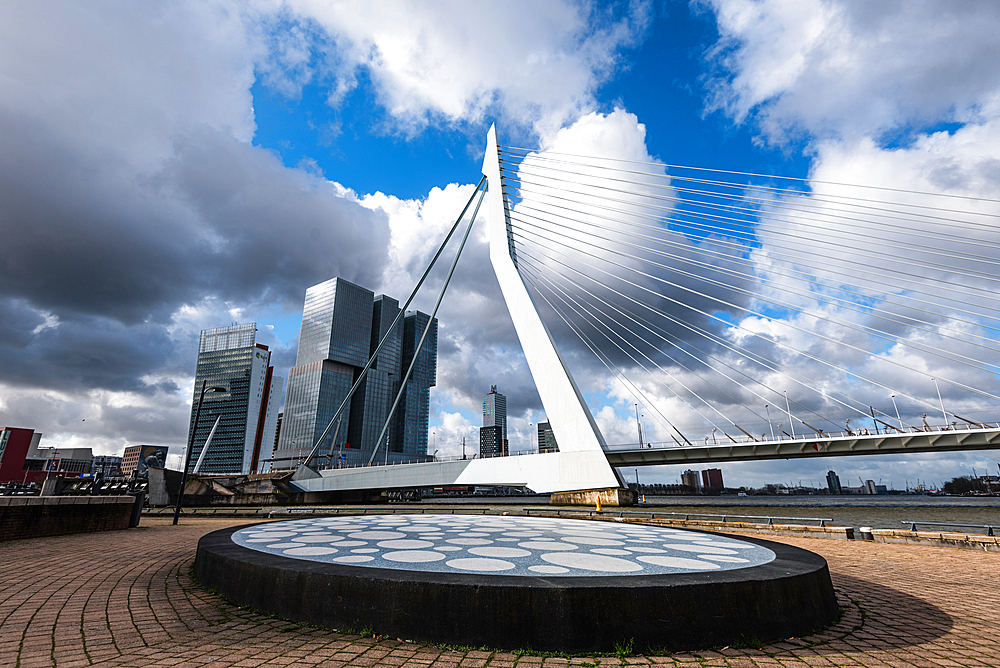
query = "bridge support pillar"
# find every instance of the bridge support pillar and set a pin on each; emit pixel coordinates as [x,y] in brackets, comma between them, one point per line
[611,496]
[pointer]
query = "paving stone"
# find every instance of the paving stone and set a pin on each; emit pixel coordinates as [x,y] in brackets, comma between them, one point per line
[130,601]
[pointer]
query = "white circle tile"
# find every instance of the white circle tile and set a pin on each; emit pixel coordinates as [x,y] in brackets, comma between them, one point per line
[413,556]
[728,560]
[376,535]
[702,549]
[547,545]
[591,562]
[679,563]
[309,551]
[316,539]
[354,559]
[366,550]
[481,564]
[591,540]
[548,570]
[612,552]
[469,541]
[499,552]
[405,544]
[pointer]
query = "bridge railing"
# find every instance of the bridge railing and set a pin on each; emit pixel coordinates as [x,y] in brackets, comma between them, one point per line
[808,438]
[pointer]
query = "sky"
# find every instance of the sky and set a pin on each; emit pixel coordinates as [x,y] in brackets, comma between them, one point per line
[175,166]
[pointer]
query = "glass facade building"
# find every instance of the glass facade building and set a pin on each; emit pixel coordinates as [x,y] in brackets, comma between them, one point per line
[490,442]
[342,326]
[371,403]
[546,438]
[495,411]
[410,437]
[228,357]
[333,346]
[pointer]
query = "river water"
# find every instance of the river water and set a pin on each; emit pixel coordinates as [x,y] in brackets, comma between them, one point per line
[879,512]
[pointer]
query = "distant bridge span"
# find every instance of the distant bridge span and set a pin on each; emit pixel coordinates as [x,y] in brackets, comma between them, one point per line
[948,440]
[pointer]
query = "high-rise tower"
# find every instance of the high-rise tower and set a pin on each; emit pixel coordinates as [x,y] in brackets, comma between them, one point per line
[412,416]
[342,325]
[333,343]
[230,358]
[495,414]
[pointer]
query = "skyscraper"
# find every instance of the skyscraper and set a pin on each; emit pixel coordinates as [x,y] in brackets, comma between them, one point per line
[412,416]
[490,442]
[546,438]
[229,357]
[373,398]
[833,483]
[333,342]
[342,325]
[691,479]
[495,411]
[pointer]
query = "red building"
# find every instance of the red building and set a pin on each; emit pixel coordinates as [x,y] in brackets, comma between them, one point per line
[14,446]
[712,479]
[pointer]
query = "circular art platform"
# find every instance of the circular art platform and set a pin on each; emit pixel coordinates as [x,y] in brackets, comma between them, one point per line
[517,582]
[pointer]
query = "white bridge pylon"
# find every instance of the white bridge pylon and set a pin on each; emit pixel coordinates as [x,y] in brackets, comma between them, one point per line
[580,463]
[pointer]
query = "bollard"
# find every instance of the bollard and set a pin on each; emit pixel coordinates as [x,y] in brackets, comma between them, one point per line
[598,504]
[140,498]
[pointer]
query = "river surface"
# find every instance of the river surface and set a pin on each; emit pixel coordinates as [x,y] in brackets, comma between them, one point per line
[879,512]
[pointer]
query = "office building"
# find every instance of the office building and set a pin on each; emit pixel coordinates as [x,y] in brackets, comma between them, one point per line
[41,463]
[413,414]
[712,479]
[371,402]
[137,459]
[491,442]
[546,438]
[495,412]
[833,483]
[15,443]
[109,466]
[229,357]
[334,342]
[342,326]
[691,479]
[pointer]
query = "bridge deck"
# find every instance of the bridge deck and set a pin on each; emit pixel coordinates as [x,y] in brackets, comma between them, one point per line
[522,470]
[947,440]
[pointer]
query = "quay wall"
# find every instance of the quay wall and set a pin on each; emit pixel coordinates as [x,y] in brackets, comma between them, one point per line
[35,516]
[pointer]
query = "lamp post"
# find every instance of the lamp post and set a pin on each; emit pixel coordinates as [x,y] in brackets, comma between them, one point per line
[187,458]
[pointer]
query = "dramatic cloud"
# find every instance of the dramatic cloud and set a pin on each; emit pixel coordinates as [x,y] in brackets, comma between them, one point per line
[848,68]
[866,88]
[539,62]
[129,195]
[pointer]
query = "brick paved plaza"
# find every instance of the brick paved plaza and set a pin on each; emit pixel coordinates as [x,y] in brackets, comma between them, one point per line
[125,598]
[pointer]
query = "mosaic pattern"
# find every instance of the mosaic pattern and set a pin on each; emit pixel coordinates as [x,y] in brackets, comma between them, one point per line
[501,545]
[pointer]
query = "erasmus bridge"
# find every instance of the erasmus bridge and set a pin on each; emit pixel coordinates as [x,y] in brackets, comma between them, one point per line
[750,318]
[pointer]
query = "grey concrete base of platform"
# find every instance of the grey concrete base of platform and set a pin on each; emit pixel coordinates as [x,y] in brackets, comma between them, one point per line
[614,496]
[790,596]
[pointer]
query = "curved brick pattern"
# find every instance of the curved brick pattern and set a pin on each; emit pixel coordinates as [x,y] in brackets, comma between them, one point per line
[127,599]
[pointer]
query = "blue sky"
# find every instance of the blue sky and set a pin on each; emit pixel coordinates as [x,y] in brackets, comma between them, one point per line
[173,167]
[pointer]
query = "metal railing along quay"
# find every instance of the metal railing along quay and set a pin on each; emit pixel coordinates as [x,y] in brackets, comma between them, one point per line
[403,510]
[989,527]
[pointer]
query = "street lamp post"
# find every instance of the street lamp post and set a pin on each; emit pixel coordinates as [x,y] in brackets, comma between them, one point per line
[187,458]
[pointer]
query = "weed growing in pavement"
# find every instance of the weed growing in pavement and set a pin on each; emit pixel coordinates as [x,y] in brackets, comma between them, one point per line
[622,649]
